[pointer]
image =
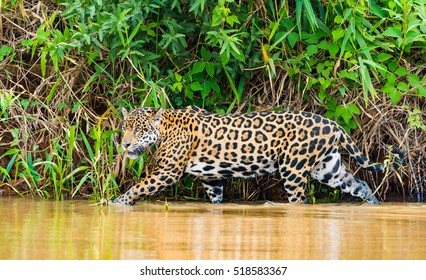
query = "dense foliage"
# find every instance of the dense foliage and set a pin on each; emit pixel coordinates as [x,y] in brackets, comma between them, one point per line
[67,68]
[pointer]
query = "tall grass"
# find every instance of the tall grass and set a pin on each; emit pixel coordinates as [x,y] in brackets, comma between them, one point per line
[66,69]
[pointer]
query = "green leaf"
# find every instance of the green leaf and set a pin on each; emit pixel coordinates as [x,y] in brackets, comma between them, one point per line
[43,62]
[422,91]
[232,84]
[205,89]
[403,86]
[205,54]
[240,56]
[214,85]
[299,5]
[197,5]
[392,32]
[82,181]
[78,169]
[322,95]
[198,67]
[5,51]
[234,48]
[52,91]
[10,152]
[414,80]
[333,49]
[391,78]
[178,77]
[75,107]
[367,86]
[413,36]
[195,86]
[342,91]
[374,64]
[350,75]
[348,33]
[27,43]
[353,108]
[339,111]
[231,20]
[88,147]
[401,71]
[383,57]
[392,65]
[388,87]
[347,116]
[310,14]
[342,111]
[337,34]
[377,10]
[311,50]
[271,65]
[395,96]
[25,103]
[210,69]
[225,57]
[292,39]
[189,93]
[281,37]
[347,55]
[177,86]
[324,45]
[338,19]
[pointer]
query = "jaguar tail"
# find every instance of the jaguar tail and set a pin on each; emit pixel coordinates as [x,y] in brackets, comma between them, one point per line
[347,143]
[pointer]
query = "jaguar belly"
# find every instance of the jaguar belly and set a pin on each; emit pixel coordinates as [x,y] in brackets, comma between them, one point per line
[225,170]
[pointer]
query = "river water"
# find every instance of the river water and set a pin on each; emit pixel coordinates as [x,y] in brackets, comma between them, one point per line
[35,229]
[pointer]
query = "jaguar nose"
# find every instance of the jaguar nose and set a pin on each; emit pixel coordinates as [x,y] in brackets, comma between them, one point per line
[126,145]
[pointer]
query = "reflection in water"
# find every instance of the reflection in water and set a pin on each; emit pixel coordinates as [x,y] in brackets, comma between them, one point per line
[33,229]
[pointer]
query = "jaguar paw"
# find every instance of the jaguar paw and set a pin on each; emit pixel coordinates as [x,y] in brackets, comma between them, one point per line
[216,201]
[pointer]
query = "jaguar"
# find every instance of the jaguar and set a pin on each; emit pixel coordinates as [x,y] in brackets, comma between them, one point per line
[214,147]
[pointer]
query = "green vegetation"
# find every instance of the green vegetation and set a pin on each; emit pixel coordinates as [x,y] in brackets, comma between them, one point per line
[66,68]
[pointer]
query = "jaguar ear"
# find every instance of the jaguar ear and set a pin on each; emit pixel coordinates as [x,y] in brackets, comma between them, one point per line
[124,113]
[156,120]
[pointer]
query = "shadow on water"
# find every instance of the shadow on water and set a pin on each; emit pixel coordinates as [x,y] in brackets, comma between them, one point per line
[34,229]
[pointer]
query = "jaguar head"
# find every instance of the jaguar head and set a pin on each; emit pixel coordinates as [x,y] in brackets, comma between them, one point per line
[141,130]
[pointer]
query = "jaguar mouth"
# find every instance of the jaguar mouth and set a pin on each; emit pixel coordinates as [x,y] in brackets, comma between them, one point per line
[133,154]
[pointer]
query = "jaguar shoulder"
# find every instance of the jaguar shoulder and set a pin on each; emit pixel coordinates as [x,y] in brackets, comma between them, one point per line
[214,147]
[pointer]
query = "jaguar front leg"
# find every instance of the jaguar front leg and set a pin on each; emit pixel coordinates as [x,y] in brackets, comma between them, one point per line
[214,189]
[150,185]
[172,158]
[294,182]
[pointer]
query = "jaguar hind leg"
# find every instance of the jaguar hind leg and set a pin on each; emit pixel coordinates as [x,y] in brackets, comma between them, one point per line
[294,184]
[332,172]
[295,192]
[214,189]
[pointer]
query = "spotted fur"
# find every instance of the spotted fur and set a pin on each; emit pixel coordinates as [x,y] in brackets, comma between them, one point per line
[216,147]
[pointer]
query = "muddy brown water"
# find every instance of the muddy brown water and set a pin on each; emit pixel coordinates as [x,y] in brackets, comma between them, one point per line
[34,229]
